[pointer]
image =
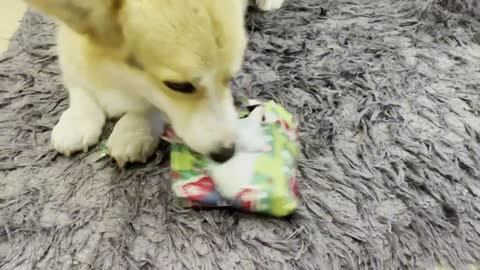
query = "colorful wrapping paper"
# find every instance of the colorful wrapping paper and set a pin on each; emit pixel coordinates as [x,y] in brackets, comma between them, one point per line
[271,187]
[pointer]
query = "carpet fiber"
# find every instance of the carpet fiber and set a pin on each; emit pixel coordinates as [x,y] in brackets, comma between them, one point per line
[388,96]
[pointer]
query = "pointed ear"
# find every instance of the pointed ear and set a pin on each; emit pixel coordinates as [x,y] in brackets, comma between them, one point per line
[96,18]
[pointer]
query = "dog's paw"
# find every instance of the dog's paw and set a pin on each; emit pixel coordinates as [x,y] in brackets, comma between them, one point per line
[132,140]
[267,5]
[77,131]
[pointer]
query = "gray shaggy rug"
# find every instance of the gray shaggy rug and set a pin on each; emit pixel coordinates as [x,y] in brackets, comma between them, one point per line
[388,96]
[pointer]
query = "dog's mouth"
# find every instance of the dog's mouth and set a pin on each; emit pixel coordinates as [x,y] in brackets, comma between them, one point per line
[159,123]
[162,127]
[170,135]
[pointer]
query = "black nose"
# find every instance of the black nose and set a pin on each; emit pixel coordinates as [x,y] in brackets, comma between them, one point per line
[223,154]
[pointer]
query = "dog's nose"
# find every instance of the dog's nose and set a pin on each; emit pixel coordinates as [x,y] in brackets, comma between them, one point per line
[223,154]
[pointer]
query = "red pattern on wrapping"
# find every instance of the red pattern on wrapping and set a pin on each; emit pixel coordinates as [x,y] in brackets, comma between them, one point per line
[244,198]
[294,187]
[283,124]
[198,190]
[175,175]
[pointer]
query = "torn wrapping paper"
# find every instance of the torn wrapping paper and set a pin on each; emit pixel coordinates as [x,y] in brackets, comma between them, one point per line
[260,178]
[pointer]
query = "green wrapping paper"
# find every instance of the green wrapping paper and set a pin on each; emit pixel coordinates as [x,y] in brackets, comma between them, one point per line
[260,178]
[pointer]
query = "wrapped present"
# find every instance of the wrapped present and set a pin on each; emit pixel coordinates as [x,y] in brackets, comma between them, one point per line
[259,178]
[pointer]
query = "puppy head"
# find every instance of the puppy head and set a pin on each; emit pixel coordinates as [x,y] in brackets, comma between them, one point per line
[178,54]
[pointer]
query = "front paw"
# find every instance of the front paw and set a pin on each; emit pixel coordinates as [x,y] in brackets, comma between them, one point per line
[267,5]
[77,131]
[132,140]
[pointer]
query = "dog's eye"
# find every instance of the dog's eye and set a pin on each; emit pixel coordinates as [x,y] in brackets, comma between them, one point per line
[182,87]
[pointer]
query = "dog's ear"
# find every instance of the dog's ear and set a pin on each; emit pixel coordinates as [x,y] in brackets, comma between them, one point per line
[96,18]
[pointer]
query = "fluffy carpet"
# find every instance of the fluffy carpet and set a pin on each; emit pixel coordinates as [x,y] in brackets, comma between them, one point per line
[388,95]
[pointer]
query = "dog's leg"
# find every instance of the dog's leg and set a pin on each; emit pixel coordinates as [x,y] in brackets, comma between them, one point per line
[267,5]
[134,138]
[80,126]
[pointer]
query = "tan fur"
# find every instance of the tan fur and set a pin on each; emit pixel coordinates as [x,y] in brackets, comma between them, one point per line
[117,55]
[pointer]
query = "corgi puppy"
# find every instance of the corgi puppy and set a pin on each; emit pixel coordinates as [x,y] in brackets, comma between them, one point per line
[135,59]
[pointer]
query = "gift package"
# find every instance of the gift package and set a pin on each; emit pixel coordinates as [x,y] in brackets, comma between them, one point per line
[259,178]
